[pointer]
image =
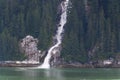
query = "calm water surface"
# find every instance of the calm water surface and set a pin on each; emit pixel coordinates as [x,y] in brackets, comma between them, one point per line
[59,74]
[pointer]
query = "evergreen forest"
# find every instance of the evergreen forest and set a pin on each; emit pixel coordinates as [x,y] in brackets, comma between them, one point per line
[92,31]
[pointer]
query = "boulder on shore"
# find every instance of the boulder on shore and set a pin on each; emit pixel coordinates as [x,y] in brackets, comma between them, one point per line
[28,46]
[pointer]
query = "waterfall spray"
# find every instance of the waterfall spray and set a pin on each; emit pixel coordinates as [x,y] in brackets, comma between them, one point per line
[58,36]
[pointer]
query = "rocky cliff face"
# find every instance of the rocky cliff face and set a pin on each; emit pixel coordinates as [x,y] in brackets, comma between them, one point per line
[28,45]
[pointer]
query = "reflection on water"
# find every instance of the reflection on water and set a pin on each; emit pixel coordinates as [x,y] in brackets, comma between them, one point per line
[53,74]
[59,74]
[44,74]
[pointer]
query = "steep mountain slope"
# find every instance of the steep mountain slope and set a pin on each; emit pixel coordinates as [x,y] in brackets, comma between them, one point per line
[91,33]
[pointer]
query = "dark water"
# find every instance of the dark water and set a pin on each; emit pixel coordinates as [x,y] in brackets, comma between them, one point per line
[59,74]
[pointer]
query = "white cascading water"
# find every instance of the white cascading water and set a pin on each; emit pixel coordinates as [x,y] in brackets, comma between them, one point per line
[58,36]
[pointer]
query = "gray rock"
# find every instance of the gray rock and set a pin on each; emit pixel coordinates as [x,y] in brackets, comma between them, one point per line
[28,46]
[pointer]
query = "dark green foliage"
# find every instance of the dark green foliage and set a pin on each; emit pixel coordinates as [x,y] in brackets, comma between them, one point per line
[25,17]
[90,34]
[94,34]
[9,49]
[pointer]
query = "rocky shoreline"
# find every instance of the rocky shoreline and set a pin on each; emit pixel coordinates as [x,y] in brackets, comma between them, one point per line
[63,65]
[18,65]
[88,66]
[108,63]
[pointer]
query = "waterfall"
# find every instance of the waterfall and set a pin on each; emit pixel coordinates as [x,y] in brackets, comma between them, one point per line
[58,36]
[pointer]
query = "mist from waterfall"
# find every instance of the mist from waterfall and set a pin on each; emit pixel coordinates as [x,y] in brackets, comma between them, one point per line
[55,48]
